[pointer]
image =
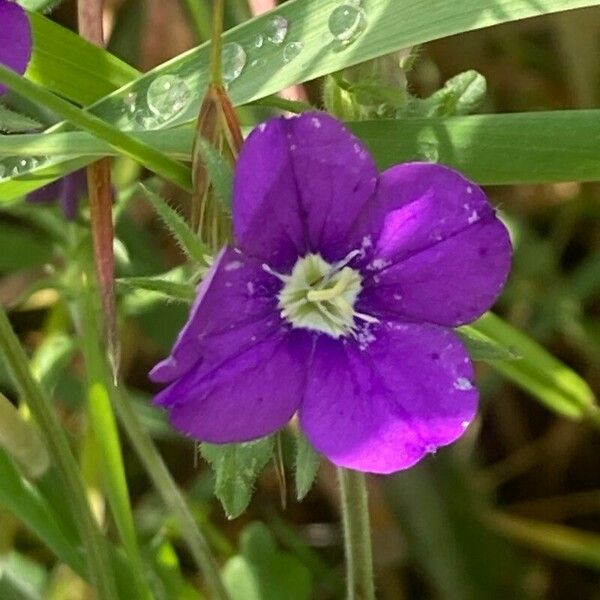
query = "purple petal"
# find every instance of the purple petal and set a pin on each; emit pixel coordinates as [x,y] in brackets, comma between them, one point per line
[441,254]
[47,193]
[74,189]
[68,191]
[299,186]
[251,394]
[15,38]
[379,404]
[236,306]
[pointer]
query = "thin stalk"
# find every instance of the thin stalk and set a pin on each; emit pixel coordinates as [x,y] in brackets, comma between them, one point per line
[200,17]
[357,535]
[216,44]
[41,409]
[169,492]
[103,422]
[106,434]
[147,453]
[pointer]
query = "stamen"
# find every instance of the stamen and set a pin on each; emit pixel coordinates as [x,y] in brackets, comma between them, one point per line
[344,262]
[366,318]
[279,276]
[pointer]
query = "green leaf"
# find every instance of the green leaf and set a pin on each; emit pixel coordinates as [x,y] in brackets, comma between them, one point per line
[565,543]
[167,567]
[180,292]
[308,23]
[218,169]
[65,63]
[494,149]
[21,439]
[439,512]
[51,359]
[538,372]
[263,572]
[178,144]
[121,141]
[306,467]
[504,149]
[39,5]
[189,242]
[26,503]
[481,347]
[21,578]
[12,122]
[21,248]
[461,95]
[237,467]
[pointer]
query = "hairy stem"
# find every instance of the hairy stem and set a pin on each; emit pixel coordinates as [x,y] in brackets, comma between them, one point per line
[357,535]
[216,44]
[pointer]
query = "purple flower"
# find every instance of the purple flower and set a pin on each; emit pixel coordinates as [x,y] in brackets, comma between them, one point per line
[15,38]
[338,302]
[68,191]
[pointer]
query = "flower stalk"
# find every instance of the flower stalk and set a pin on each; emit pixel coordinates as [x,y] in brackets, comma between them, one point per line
[219,125]
[89,14]
[216,77]
[357,535]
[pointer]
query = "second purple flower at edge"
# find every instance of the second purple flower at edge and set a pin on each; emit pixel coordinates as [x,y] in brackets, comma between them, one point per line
[338,302]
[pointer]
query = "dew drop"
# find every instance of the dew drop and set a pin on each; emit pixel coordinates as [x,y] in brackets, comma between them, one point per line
[234,61]
[142,120]
[258,62]
[276,30]
[2,171]
[167,96]
[291,51]
[259,40]
[347,22]
[130,102]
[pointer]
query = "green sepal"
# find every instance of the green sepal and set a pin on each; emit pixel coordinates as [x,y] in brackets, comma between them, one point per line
[189,242]
[236,468]
[307,463]
[14,122]
[482,347]
[461,95]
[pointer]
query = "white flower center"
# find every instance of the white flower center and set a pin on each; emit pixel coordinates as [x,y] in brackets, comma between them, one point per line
[321,296]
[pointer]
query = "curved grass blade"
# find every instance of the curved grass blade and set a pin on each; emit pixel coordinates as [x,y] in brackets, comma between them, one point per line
[390,27]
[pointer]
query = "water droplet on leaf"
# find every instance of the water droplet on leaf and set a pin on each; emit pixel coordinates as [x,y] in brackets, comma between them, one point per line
[234,61]
[167,96]
[259,40]
[276,30]
[291,51]
[130,102]
[347,22]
